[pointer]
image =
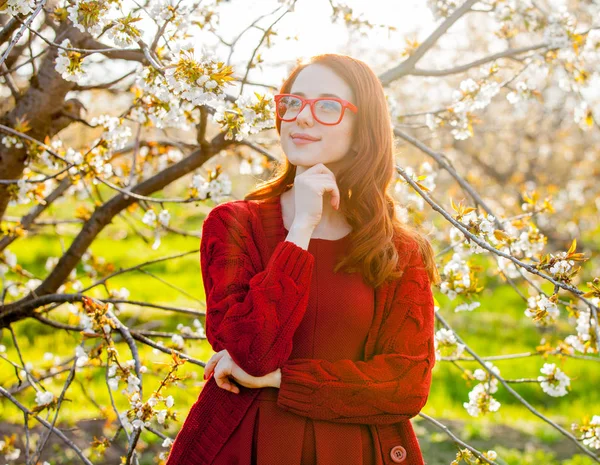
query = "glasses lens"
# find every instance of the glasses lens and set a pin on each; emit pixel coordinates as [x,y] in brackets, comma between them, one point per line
[288,107]
[328,111]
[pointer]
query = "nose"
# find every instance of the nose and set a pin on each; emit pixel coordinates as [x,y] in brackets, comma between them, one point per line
[305,117]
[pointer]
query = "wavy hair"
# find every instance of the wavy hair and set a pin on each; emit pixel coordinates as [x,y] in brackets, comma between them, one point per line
[363,181]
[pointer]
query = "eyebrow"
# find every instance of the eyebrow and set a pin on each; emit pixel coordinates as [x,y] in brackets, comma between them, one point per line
[320,95]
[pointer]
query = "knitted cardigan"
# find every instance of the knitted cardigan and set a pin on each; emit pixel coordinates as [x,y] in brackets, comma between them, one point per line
[257,286]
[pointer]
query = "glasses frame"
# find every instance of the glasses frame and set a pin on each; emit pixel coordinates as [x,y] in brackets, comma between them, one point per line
[311,102]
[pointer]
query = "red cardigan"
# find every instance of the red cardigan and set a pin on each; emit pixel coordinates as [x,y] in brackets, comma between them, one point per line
[257,286]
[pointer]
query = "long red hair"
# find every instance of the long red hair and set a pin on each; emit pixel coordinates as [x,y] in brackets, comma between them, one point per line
[364,180]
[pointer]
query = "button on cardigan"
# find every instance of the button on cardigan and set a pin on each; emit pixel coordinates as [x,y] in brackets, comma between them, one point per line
[257,287]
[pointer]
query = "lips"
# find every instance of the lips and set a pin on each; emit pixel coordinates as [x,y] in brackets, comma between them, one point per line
[304,137]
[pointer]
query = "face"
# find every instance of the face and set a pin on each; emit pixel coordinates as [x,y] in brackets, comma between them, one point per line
[333,141]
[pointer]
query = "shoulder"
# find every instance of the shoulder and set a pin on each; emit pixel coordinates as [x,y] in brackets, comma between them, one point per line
[233,214]
[227,228]
[409,250]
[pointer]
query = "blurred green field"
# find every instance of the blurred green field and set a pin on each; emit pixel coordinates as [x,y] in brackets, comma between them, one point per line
[498,327]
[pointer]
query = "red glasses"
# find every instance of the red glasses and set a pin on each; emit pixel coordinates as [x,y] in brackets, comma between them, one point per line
[326,110]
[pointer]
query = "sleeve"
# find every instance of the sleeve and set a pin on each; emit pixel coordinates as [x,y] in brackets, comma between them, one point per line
[391,386]
[253,314]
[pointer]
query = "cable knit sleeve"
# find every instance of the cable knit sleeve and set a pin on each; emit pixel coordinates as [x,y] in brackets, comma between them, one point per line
[250,312]
[391,386]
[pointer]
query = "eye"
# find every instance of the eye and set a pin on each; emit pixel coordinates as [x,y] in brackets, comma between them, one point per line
[291,102]
[329,106]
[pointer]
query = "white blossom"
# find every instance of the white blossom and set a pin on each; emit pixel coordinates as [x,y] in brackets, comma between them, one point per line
[591,437]
[133,383]
[82,357]
[161,416]
[164,217]
[467,306]
[178,341]
[445,340]
[543,311]
[480,402]
[20,7]
[585,327]
[556,382]
[43,397]
[149,218]
[71,65]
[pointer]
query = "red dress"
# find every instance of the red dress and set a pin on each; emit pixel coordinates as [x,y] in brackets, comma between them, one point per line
[335,326]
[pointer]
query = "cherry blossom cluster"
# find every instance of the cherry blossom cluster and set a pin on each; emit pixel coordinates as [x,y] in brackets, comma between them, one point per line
[249,115]
[140,414]
[457,277]
[590,430]
[123,372]
[188,331]
[442,8]
[177,16]
[252,164]
[217,186]
[25,191]
[155,105]
[446,344]
[19,7]
[114,137]
[542,310]
[555,382]
[481,226]
[12,141]
[560,29]
[516,15]
[123,31]
[151,219]
[467,307]
[466,456]
[71,65]
[425,179]
[560,266]
[472,96]
[92,15]
[157,223]
[585,339]
[199,80]
[168,442]
[481,400]
[9,450]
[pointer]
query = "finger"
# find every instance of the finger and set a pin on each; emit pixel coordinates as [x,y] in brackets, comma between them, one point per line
[332,189]
[209,367]
[212,362]
[225,383]
[221,380]
[222,375]
[328,184]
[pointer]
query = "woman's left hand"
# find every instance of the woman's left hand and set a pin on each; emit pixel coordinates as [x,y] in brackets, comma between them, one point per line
[225,368]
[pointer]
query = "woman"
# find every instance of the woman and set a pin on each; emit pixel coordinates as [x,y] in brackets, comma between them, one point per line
[319,304]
